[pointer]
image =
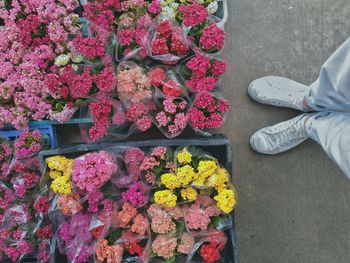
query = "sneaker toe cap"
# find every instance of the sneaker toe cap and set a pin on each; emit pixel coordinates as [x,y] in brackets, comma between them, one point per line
[259,143]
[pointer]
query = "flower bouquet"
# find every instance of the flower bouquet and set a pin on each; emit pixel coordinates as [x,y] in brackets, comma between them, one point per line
[163,78]
[130,36]
[200,73]
[157,162]
[170,116]
[6,154]
[133,84]
[202,31]
[208,111]
[167,42]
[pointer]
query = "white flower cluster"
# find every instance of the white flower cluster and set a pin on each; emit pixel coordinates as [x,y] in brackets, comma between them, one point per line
[170,7]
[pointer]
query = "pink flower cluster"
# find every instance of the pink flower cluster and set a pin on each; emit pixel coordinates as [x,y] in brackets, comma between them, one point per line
[75,239]
[163,219]
[93,170]
[207,111]
[33,34]
[131,36]
[212,38]
[197,215]
[193,14]
[28,143]
[101,110]
[133,158]
[136,194]
[102,13]
[90,47]
[168,39]
[202,73]
[138,114]
[6,154]
[133,83]
[154,163]
[171,116]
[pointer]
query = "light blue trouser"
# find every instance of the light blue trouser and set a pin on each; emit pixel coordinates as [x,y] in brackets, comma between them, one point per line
[330,95]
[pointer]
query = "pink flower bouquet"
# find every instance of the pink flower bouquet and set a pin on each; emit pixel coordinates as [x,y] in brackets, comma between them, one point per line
[167,42]
[208,111]
[170,116]
[92,170]
[130,36]
[201,73]
[133,84]
[6,154]
[157,162]
[205,36]
[70,85]
[107,115]
[28,144]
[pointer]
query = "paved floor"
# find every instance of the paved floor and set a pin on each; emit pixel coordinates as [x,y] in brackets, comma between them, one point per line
[294,207]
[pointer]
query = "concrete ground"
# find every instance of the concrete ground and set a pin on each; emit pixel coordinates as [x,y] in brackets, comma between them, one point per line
[294,207]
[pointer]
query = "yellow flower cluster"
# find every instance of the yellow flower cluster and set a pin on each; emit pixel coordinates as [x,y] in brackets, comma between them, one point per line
[185,175]
[60,171]
[226,200]
[219,180]
[184,157]
[206,168]
[165,197]
[189,194]
[170,181]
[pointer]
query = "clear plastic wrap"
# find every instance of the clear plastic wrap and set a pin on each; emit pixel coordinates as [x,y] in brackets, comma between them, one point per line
[210,247]
[167,42]
[74,238]
[164,78]
[208,111]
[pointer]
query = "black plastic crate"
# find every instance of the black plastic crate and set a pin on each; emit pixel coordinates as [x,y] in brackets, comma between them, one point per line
[218,146]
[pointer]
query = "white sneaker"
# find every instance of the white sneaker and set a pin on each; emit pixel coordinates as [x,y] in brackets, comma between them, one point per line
[278,91]
[280,137]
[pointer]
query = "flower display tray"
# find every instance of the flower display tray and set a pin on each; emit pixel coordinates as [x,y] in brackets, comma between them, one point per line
[217,145]
[46,130]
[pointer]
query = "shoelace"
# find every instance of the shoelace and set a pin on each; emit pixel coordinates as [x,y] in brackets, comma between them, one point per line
[287,133]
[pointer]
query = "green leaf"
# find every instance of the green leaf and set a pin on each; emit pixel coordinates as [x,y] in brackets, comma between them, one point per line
[186,71]
[215,222]
[153,254]
[180,226]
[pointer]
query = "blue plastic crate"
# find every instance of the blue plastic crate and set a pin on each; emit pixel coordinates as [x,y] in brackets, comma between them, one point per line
[48,130]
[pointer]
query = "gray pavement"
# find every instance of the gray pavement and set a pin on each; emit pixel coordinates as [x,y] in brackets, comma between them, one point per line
[294,207]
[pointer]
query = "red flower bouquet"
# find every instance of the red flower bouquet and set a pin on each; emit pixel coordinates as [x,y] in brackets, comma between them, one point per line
[167,43]
[208,111]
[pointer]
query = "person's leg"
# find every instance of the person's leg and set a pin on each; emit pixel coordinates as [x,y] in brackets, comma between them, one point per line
[331,91]
[332,131]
